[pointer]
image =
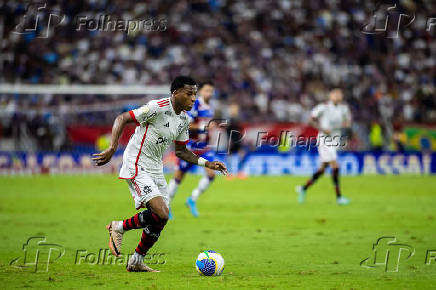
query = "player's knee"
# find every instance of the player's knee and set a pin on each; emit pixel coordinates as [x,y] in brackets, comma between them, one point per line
[163,214]
[159,210]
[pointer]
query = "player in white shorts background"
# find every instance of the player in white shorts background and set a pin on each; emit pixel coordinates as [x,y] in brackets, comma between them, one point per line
[329,118]
[159,123]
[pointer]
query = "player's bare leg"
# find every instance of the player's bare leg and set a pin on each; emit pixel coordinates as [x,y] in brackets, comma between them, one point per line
[341,200]
[203,184]
[173,186]
[301,190]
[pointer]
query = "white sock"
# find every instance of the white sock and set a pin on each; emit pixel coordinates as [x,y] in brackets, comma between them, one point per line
[119,227]
[137,258]
[203,184]
[172,188]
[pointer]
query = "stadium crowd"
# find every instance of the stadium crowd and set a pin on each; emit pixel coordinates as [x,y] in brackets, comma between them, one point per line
[273,59]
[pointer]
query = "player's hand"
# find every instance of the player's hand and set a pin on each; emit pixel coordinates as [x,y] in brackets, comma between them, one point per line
[216,165]
[103,157]
[327,132]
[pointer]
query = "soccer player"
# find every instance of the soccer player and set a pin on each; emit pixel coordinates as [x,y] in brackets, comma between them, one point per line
[159,123]
[201,115]
[329,118]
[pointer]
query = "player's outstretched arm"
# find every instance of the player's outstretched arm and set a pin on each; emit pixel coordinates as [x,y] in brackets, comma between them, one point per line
[117,128]
[183,153]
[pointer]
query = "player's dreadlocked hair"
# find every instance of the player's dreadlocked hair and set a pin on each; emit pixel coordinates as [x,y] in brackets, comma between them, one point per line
[181,81]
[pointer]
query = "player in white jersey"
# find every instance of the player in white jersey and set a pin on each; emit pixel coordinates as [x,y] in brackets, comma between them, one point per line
[159,123]
[329,118]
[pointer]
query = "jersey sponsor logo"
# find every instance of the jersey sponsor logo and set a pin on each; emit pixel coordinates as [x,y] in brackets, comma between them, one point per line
[152,115]
[163,103]
[161,140]
[167,125]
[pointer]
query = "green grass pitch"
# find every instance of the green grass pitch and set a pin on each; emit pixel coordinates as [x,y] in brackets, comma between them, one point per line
[265,237]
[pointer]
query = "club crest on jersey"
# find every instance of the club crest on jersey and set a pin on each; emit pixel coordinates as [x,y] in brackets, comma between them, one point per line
[168,113]
[147,189]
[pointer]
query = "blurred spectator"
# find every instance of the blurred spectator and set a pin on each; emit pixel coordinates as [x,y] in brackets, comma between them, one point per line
[276,58]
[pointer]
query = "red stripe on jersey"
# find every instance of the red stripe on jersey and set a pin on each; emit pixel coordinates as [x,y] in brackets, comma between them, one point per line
[181,142]
[163,102]
[137,157]
[133,117]
[139,153]
[136,187]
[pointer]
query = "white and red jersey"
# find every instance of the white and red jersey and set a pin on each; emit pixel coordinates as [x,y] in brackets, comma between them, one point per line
[331,117]
[157,127]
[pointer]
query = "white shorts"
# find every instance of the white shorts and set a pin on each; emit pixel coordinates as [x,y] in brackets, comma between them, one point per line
[327,153]
[144,187]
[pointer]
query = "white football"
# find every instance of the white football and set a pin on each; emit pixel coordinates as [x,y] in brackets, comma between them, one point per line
[209,263]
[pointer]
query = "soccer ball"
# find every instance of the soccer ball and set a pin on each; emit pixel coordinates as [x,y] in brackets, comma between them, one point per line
[209,263]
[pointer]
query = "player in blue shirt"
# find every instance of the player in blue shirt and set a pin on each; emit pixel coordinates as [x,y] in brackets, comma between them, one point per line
[201,114]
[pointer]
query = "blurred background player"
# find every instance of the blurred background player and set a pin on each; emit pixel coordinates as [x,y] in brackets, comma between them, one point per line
[235,133]
[329,118]
[201,117]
